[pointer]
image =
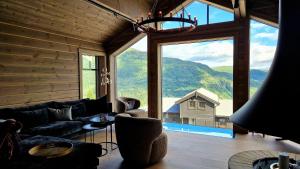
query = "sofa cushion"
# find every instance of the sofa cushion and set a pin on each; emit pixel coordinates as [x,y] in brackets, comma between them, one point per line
[32,118]
[63,114]
[96,106]
[130,104]
[8,113]
[33,107]
[57,128]
[78,106]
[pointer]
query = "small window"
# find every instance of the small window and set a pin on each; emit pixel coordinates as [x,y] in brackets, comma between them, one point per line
[202,105]
[192,104]
[90,64]
[90,73]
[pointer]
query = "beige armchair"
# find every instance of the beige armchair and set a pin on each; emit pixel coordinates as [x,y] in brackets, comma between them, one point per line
[130,106]
[140,140]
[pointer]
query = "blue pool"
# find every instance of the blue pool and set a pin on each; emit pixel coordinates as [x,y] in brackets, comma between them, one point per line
[220,132]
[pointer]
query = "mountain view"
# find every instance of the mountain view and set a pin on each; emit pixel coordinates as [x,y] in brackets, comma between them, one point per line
[179,77]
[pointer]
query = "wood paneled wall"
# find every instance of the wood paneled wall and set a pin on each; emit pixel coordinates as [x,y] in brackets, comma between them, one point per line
[38,66]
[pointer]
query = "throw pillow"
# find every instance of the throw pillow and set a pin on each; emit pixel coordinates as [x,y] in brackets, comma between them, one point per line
[130,105]
[78,107]
[96,106]
[64,114]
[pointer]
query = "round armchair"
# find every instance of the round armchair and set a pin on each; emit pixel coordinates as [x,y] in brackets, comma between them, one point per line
[140,140]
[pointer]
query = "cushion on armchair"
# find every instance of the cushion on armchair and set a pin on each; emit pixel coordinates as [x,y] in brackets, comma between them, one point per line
[130,106]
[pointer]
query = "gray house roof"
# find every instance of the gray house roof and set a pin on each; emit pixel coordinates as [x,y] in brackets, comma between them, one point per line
[203,93]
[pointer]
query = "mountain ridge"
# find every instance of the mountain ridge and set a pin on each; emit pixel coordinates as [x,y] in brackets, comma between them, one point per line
[179,77]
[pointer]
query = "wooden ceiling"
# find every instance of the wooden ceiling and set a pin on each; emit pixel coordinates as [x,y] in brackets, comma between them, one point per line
[76,18]
[81,19]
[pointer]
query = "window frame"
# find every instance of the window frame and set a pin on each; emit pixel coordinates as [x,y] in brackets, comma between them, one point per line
[192,107]
[201,107]
[96,70]
[100,90]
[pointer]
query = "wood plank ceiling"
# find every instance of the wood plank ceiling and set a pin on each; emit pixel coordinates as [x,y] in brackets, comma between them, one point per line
[75,18]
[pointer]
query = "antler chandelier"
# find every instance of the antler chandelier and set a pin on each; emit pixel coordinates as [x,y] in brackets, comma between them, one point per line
[150,24]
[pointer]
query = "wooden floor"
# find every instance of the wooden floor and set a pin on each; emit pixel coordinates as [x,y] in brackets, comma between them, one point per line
[193,151]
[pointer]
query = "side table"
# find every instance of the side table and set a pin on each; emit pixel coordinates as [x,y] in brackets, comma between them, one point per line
[91,129]
[110,120]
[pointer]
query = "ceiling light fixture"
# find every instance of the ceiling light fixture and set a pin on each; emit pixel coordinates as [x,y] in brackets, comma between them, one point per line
[150,24]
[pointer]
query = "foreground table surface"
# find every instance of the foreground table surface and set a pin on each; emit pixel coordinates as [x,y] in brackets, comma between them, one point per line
[245,159]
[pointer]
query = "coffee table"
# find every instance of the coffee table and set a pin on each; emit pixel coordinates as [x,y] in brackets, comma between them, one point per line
[246,159]
[109,121]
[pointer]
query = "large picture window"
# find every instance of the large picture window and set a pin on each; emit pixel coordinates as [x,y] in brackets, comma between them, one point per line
[131,72]
[263,41]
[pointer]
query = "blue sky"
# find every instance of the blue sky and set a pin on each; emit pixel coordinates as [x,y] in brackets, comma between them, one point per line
[263,41]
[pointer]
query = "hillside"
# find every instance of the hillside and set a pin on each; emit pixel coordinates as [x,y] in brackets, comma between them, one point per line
[227,69]
[179,77]
[256,76]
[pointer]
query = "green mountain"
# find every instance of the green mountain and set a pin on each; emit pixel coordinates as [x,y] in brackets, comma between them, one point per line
[227,69]
[256,76]
[179,77]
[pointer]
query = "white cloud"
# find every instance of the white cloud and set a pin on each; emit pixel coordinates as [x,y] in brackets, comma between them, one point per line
[216,53]
[141,45]
[270,36]
[261,56]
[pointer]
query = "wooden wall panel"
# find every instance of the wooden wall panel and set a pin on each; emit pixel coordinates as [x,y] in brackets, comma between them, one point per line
[38,66]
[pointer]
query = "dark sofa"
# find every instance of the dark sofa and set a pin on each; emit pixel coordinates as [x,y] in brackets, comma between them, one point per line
[36,119]
[83,156]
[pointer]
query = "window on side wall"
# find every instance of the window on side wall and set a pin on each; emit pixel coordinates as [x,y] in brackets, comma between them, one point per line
[90,66]
[192,104]
[201,105]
